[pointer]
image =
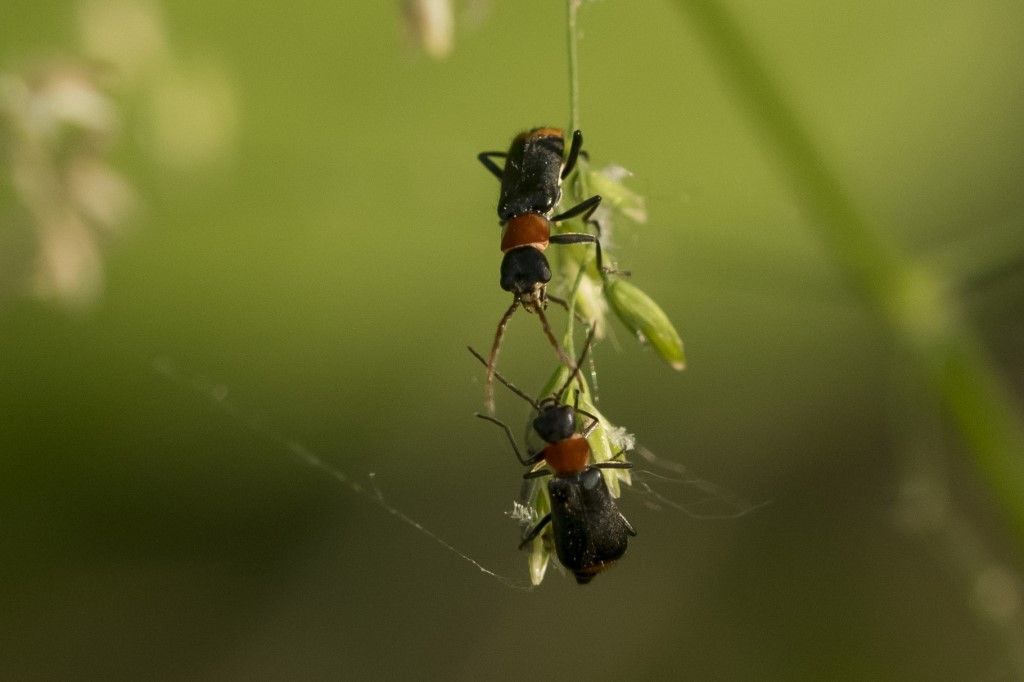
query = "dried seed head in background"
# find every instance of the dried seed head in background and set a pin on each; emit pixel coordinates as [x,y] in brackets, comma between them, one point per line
[61,120]
[58,124]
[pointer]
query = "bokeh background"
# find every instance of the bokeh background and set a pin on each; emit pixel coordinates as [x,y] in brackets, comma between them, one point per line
[229,232]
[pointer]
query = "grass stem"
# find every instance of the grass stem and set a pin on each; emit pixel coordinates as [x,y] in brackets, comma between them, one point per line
[924,320]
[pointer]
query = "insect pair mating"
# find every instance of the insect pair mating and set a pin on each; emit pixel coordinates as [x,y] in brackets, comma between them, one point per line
[588,530]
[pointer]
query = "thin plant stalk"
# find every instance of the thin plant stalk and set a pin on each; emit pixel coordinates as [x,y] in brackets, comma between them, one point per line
[579,175]
[571,8]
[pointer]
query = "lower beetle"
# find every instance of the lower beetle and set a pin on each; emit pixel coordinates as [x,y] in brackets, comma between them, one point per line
[589,531]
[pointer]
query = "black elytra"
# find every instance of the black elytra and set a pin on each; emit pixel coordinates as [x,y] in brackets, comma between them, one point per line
[531,181]
[590,532]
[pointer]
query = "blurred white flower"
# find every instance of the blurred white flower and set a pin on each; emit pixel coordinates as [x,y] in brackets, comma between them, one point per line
[60,120]
[68,264]
[100,193]
[431,24]
[57,127]
[191,112]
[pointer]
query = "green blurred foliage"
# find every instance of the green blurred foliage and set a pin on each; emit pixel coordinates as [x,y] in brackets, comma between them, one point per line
[329,263]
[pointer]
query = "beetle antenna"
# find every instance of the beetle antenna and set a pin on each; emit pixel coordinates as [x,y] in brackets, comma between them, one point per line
[493,357]
[508,384]
[565,359]
[576,367]
[579,318]
[575,312]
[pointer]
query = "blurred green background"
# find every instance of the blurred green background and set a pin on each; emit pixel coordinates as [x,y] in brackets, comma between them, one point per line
[313,238]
